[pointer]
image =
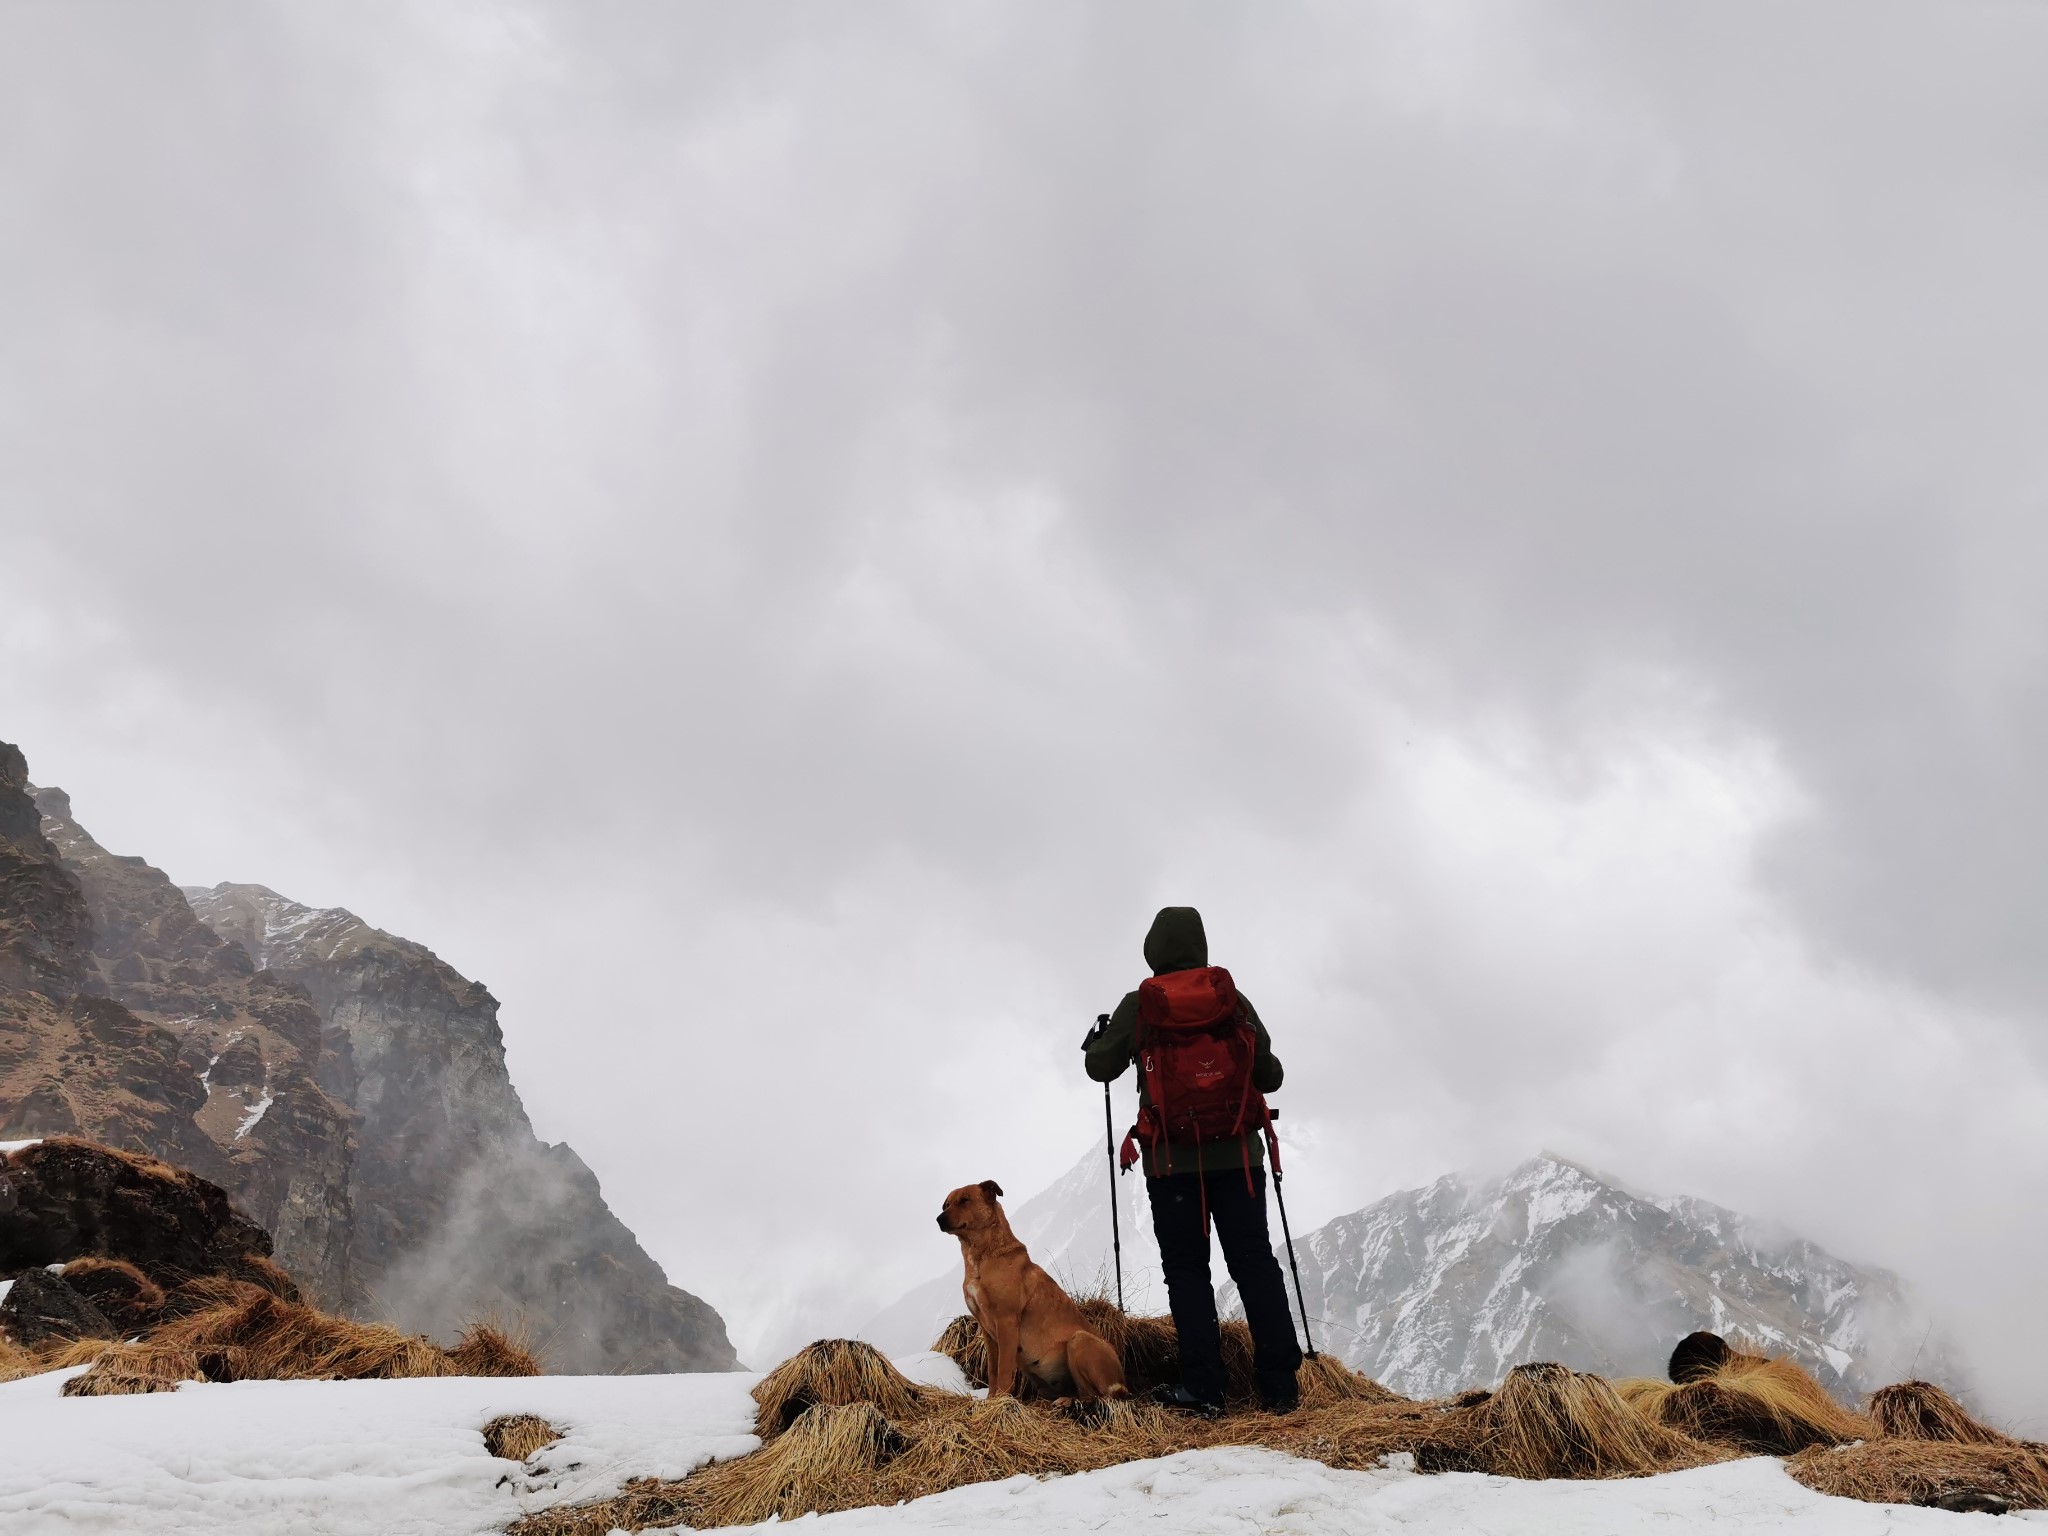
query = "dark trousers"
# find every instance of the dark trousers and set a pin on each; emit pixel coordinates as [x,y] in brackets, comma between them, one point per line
[1238,1213]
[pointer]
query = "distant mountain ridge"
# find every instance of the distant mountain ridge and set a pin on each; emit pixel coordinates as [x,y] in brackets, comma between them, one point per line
[1447,1286]
[1436,1289]
[347,1087]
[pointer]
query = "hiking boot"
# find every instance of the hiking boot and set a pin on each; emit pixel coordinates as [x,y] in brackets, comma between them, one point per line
[1281,1402]
[1181,1400]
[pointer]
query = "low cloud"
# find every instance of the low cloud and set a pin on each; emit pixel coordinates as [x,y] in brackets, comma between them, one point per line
[775,539]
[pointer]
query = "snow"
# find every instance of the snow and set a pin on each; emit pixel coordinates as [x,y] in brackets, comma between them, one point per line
[206,1077]
[406,1458]
[345,1458]
[15,1146]
[5,1287]
[255,1114]
[932,1369]
[1251,1491]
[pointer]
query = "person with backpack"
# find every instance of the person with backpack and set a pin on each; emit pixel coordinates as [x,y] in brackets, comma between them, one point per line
[1205,1064]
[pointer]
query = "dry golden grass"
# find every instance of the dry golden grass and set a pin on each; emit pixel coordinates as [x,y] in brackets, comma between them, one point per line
[120,1378]
[128,1297]
[1749,1403]
[1919,1410]
[249,1334]
[643,1503]
[221,1329]
[1548,1421]
[1916,1471]
[516,1436]
[17,1362]
[843,1429]
[1325,1380]
[485,1349]
[836,1373]
[266,1273]
[1148,1347]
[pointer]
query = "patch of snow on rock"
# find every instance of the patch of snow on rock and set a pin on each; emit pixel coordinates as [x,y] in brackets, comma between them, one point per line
[255,1114]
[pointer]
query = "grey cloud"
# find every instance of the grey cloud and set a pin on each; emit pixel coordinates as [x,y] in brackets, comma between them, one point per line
[848,509]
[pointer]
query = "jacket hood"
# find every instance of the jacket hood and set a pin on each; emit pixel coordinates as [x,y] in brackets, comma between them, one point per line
[1176,942]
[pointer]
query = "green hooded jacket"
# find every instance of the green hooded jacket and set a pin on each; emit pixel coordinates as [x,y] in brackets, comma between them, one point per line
[1177,942]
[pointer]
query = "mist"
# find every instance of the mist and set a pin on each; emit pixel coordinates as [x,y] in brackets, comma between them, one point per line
[776,538]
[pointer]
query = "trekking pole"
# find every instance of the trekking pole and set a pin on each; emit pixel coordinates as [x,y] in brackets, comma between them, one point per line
[1116,1235]
[1281,1200]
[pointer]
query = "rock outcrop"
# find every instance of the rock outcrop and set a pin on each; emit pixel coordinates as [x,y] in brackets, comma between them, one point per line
[66,1199]
[250,1044]
[74,1062]
[45,931]
[39,1308]
[345,1087]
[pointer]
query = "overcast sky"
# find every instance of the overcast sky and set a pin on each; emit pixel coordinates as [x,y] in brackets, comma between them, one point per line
[775,536]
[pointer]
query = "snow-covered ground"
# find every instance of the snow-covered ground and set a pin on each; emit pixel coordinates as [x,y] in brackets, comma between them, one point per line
[1248,1492]
[344,1458]
[406,1458]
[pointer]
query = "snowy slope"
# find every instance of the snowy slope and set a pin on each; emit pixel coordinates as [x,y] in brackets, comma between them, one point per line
[1434,1289]
[405,1458]
[345,1458]
[1251,1492]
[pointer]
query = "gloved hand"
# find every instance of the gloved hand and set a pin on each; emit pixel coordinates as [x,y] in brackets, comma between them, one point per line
[1095,1031]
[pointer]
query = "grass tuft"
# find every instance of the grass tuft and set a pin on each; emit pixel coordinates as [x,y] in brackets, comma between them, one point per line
[1947,1473]
[1919,1410]
[1749,1403]
[517,1436]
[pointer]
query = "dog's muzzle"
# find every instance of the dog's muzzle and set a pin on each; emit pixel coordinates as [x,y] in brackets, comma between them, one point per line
[942,1223]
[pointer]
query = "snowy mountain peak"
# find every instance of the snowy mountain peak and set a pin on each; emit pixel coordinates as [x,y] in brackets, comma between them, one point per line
[1449,1286]
[277,932]
[1435,1289]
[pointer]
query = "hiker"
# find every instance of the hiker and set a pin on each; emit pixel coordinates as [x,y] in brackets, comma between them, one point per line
[1195,1176]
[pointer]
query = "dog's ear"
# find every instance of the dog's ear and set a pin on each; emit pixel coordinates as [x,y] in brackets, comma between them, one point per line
[991,1188]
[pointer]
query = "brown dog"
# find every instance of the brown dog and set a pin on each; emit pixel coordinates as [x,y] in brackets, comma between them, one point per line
[1030,1322]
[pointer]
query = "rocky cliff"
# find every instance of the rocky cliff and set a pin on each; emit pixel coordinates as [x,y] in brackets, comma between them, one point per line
[252,1043]
[347,1087]
[72,1060]
[458,1205]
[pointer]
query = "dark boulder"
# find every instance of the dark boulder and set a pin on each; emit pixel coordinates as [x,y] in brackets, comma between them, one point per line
[40,1308]
[131,1300]
[66,1199]
[1698,1356]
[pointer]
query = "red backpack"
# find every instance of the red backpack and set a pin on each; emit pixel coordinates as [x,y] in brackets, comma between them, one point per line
[1195,1047]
